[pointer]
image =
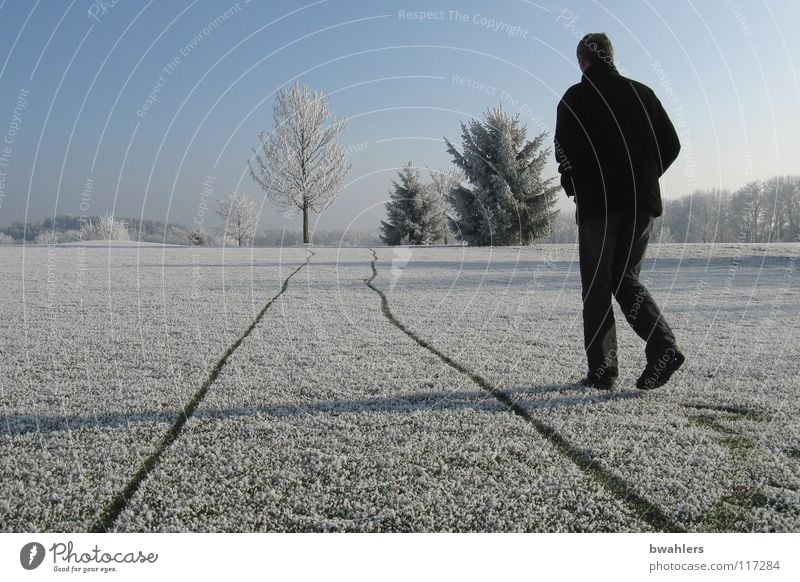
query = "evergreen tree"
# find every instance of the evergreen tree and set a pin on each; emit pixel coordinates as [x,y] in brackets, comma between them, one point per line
[507,202]
[197,238]
[442,184]
[414,212]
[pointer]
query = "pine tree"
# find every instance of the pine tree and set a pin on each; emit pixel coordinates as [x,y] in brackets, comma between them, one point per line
[414,212]
[507,202]
[442,184]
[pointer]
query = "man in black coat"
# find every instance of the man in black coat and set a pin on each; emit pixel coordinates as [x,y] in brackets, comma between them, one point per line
[613,141]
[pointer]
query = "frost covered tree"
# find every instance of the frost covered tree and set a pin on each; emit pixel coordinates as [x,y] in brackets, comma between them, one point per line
[414,212]
[783,192]
[197,238]
[221,239]
[563,229]
[300,164]
[240,214]
[442,185]
[697,217]
[46,237]
[106,227]
[506,200]
[748,211]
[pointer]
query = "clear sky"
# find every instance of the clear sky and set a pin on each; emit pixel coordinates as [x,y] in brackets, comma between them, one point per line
[76,74]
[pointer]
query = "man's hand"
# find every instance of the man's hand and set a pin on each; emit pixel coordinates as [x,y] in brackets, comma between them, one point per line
[564,165]
[567,184]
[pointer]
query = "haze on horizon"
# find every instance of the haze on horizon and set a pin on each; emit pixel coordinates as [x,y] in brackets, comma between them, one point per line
[152,109]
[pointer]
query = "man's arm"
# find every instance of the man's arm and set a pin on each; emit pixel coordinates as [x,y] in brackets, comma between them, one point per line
[669,146]
[563,135]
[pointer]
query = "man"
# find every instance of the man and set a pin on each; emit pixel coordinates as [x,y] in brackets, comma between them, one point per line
[613,141]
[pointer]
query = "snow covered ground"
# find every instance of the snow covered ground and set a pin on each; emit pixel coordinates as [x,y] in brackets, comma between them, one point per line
[717,448]
[101,349]
[327,416]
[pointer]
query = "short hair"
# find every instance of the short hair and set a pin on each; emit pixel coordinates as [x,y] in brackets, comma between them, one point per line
[596,47]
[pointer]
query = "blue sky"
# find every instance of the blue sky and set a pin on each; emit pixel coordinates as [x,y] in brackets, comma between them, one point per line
[75,74]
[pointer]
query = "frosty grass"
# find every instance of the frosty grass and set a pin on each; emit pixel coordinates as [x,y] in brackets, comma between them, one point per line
[329,418]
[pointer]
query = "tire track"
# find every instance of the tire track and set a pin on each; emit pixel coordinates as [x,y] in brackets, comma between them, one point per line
[618,487]
[119,501]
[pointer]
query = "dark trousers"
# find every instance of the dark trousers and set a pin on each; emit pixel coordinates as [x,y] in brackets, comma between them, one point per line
[612,250]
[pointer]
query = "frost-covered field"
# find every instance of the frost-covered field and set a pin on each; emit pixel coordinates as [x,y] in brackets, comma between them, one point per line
[100,351]
[326,415]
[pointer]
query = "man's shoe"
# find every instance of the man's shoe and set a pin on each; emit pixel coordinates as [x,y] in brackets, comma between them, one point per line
[657,374]
[604,382]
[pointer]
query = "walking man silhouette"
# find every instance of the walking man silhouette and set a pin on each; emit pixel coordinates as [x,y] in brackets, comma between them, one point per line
[613,141]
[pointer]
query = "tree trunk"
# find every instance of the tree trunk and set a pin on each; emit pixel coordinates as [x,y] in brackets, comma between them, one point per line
[305,224]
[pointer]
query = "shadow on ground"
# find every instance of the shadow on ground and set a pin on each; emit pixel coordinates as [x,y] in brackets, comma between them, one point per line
[549,397]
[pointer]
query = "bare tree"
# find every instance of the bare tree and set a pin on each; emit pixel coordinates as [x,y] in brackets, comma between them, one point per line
[706,215]
[241,216]
[748,212]
[784,193]
[792,205]
[300,165]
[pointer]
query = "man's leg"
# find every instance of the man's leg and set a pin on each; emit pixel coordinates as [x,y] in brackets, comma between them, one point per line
[596,246]
[638,306]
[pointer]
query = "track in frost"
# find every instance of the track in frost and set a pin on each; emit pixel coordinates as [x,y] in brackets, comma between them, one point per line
[647,511]
[118,503]
[716,450]
[328,418]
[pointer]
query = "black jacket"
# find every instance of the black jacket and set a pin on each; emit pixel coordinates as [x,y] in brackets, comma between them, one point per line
[613,142]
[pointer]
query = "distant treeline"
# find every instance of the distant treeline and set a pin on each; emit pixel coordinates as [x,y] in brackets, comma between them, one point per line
[68,228]
[276,237]
[762,211]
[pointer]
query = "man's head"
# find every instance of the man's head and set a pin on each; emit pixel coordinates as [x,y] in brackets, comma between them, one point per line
[593,48]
